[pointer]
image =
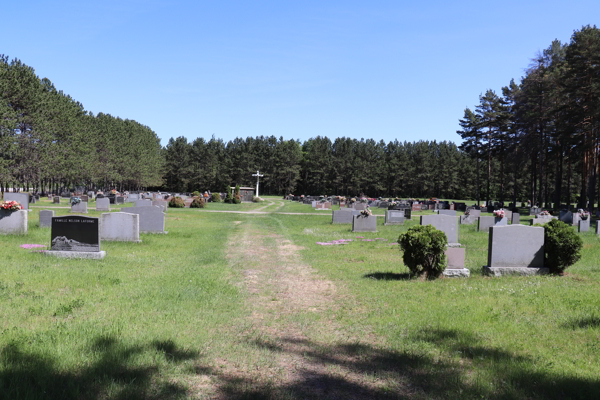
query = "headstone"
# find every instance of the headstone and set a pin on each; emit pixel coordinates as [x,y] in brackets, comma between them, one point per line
[535,210]
[22,198]
[407,213]
[424,207]
[444,223]
[80,207]
[56,200]
[416,207]
[46,218]
[152,219]
[485,222]
[456,263]
[120,226]
[584,225]
[343,216]
[516,218]
[119,200]
[75,236]
[132,197]
[359,206]
[313,204]
[364,224]
[102,204]
[451,213]
[394,217]
[566,217]
[161,203]
[143,203]
[541,219]
[515,249]
[84,198]
[597,227]
[470,218]
[13,222]
[576,219]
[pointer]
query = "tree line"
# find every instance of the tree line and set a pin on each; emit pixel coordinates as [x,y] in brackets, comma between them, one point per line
[539,139]
[49,141]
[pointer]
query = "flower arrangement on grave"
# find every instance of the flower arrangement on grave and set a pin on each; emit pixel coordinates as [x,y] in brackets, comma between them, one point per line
[544,214]
[75,200]
[393,203]
[352,200]
[499,213]
[584,215]
[114,191]
[366,213]
[11,205]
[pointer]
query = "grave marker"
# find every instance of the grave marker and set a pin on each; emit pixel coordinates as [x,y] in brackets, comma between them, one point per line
[120,226]
[75,236]
[46,218]
[515,249]
[444,223]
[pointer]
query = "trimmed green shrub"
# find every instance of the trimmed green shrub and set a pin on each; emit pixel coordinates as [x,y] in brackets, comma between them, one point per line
[216,197]
[424,248]
[229,198]
[197,203]
[237,199]
[562,246]
[197,194]
[176,202]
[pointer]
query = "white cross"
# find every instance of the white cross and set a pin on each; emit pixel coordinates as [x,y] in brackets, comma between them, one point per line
[257,175]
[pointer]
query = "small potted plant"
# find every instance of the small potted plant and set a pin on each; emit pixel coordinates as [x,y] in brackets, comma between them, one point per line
[499,214]
[583,215]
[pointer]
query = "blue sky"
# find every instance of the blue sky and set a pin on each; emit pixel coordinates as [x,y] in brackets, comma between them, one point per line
[382,69]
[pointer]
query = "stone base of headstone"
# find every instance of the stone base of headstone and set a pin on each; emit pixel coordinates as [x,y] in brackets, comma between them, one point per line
[89,255]
[501,271]
[456,273]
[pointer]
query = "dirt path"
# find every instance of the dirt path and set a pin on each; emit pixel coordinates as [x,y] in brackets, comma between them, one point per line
[293,317]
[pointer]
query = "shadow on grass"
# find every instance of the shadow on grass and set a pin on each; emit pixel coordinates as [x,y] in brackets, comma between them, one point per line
[388,276]
[583,323]
[113,375]
[470,370]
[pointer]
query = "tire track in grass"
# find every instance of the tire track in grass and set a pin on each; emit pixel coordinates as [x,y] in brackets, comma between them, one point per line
[292,317]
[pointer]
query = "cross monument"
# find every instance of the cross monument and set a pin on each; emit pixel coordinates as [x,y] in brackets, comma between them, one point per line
[257,175]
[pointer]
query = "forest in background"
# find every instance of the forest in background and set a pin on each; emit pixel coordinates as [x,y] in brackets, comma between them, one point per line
[538,140]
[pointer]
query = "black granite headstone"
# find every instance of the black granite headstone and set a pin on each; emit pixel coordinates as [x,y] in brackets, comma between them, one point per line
[75,233]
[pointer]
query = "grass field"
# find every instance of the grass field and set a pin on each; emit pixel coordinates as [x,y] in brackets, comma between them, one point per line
[248,306]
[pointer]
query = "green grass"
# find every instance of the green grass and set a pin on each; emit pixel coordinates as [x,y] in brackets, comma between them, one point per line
[153,319]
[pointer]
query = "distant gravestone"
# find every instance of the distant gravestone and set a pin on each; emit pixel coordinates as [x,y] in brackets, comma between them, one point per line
[416,207]
[516,218]
[364,224]
[470,218]
[80,207]
[343,216]
[456,263]
[597,227]
[46,218]
[152,219]
[161,203]
[119,200]
[394,217]
[102,204]
[535,210]
[576,219]
[143,203]
[515,249]
[22,198]
[444,223]
[451,213]
[132,197]
[485,222]
[407,213]
[566,217]
[583,225]
[313,204]
[13,222]
[120,226]
[359,206]
[75,236]
[56,200]
[84,198]
[541,219]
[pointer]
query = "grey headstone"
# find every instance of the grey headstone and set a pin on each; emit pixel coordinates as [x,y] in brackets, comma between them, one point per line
[143,203]
[161,203]
[314,204]
[22,198]
[103,204]
[515,249]
[343,216]
[584,225]
[394,217]
[56,200]
[152,219]
[364,224]
[46,218]
[359,206]
[444,223]
[451,213]
[120,226]
[119,200]
[13,222]
[80,207]
[516,218]
[485,222]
